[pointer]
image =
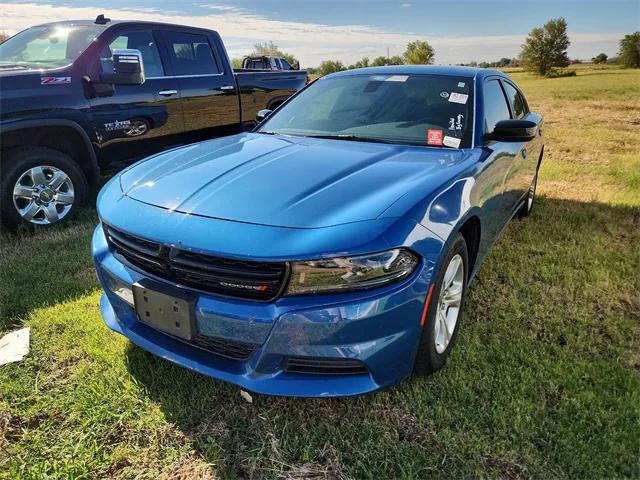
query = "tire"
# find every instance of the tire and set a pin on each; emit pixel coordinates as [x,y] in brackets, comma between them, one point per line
[527,207]
[432,357]
[39,186]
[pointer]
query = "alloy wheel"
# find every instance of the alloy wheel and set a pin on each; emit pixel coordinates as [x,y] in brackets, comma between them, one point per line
[449,303]
[43,195]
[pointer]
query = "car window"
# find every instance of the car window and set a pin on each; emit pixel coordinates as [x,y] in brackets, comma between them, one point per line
[191,54]
[142,40]
[412,109]
[495,105]
[516,100]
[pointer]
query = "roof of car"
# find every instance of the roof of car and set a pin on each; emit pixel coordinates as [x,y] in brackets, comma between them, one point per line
[456,71]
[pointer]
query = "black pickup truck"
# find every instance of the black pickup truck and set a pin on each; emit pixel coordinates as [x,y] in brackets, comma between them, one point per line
[78,95]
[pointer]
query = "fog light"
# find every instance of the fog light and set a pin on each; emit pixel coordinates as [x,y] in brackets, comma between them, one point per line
[119,288]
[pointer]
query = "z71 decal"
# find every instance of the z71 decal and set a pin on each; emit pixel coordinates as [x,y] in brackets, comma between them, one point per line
[55,80]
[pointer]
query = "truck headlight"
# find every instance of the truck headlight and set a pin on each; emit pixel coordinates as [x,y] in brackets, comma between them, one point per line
[351,273]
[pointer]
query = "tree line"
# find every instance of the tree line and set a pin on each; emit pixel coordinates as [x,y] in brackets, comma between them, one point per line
[544,53]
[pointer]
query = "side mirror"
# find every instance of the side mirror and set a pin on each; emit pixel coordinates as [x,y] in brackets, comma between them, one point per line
[262,114]
[128,68]
[514,131]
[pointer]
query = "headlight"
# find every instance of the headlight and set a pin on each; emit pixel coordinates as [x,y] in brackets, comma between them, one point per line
[351,273]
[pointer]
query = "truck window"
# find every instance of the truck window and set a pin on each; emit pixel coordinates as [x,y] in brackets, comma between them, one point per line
[191,54]
[285,65]
[140,40]
[495,105]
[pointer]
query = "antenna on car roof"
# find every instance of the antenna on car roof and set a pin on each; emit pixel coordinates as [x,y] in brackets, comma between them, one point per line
[102,20]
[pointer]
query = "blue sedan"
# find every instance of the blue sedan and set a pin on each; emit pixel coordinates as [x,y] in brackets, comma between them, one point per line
[329,251]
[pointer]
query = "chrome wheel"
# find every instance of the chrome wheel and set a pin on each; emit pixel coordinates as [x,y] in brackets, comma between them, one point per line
[449,303]
[43,195]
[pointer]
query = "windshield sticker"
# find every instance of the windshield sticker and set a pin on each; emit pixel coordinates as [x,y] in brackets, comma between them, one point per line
[444,94]
[434,137]
[55,80]
[397,78]
[451,141]
[456,97]
[455,123]
[460,84]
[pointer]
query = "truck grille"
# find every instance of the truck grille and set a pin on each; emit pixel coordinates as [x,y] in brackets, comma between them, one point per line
[244,279]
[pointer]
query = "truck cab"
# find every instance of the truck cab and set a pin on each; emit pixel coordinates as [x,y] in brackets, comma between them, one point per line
[78,96]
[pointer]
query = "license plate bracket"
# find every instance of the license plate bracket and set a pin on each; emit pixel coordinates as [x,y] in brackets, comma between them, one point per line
[165,309]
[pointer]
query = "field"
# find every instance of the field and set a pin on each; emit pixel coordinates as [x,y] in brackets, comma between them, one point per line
[544,381]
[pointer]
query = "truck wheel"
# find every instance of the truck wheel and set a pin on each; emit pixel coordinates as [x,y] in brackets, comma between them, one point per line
[40,186]
[441,326]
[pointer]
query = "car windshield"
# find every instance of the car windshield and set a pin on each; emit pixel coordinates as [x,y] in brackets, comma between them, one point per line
[425,110]
[47,46]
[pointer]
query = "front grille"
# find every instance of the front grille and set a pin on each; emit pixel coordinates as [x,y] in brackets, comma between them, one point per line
[325,366]
[245,279]
[226,348]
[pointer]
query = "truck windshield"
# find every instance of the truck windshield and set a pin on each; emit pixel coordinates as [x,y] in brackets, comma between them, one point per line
[426,110]
[47,46]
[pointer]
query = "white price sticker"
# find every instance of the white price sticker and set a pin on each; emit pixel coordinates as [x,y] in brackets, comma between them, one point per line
[452,142]
[456,97]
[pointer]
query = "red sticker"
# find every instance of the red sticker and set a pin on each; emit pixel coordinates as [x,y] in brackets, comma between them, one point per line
[434,137]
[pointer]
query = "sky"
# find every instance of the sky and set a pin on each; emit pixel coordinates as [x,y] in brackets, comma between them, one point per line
[313,30]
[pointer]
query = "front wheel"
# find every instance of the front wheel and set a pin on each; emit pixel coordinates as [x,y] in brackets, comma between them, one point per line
[40,186]
[442,323]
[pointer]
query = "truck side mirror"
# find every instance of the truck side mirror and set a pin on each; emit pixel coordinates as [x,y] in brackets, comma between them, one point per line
[128,68]
[262,114]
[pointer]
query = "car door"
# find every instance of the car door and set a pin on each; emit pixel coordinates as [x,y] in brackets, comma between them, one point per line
[496,201]
[207,83]
[525,163]
[137,120]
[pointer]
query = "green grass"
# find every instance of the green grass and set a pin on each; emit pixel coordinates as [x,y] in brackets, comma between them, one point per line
[544,381]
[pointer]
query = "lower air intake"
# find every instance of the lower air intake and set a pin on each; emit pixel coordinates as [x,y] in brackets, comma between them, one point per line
[325,366]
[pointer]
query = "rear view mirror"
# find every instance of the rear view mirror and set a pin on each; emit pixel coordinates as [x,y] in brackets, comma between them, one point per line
[514,131]
[128,68]
[262,114]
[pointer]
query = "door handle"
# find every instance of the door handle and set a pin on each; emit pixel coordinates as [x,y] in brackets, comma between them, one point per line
[167,93]
[227,87]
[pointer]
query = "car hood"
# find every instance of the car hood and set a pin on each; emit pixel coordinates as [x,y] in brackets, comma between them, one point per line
[287,181]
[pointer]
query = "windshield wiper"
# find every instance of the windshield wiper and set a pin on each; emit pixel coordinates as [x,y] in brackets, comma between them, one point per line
[350,137]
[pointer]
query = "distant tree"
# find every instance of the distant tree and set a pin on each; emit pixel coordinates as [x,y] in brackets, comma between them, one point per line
[600,58]
[3,36]
[395,60]
[330,66]
[546,47]
[236,62]
[419,53]
[362,63]
[473,64]
[514,62]
[629,55]
[271,49]
[503,62]
[379,61]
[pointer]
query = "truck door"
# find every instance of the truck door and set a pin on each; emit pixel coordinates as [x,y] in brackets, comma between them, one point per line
[137,120]
[206,80]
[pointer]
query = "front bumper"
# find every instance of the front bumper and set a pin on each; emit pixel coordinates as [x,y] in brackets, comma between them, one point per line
[379,328]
